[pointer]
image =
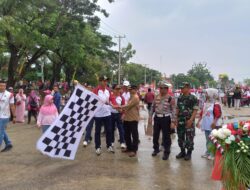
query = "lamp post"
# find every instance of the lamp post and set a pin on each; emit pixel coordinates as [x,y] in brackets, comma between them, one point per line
[119,61]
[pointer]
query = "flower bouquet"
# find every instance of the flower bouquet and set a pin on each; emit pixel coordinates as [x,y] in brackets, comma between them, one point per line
[231,146]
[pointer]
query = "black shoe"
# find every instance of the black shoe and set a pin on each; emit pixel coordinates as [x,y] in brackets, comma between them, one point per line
[188,156]
[165,156]
[7,148]
[182,154]
[155,152]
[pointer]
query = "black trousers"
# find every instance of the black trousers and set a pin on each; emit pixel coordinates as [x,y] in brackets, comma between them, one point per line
[162,124]
[30,113]
[131,135]
[149,106]
[229,102]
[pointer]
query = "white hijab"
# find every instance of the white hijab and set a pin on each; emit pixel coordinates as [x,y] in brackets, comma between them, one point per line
[212,95]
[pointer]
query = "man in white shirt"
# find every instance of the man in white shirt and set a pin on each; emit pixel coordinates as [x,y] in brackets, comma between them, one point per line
[6,104]
[103,116]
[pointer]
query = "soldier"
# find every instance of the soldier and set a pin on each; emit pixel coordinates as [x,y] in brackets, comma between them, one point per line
[187,107]
[164,109]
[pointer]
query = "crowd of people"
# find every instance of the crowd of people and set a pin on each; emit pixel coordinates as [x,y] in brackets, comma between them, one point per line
[234,97]
[121,111]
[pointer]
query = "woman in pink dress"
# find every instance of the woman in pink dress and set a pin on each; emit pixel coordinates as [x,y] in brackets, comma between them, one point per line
[20,106]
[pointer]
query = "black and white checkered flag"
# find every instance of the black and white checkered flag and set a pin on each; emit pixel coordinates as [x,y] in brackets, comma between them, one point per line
[61,140]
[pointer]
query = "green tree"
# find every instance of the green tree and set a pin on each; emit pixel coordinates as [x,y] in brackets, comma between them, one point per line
[181,77]
[112,60]
[247,81]
[200,72]
[224,81]
[21,23]
[57,29]
[135,73]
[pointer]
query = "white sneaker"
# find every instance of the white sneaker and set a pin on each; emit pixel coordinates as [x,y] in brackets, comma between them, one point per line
[85,143]
[123,146]
[112,144]
[204,156]
[98,151]
[110,149]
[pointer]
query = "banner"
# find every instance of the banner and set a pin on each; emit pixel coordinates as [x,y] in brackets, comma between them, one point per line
[61,140]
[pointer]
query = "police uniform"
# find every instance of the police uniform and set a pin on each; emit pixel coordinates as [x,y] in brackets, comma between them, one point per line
[186,105]
[164,112]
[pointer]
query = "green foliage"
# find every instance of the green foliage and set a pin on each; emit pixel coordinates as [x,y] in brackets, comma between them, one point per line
[135,73]
[3,63]
[213,84]
[31,75]
[198,75]
[236,168]
[200,72]
[63,31]
[180,78]
[247,81]
[224,81]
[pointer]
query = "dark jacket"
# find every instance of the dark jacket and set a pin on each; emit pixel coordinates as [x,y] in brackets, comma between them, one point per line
[237,94]
[57,100]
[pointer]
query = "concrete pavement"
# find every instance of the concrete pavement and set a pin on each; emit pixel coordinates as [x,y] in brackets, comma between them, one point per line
[25,168]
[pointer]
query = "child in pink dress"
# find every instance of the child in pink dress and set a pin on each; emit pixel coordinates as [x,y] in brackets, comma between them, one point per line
[48,113]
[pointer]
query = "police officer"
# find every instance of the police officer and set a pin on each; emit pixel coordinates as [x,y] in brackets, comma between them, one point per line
[187,107]
[163,108]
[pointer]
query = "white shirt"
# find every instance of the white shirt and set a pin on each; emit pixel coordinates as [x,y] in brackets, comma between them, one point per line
[118,100]
[6,98]
[126,96]
[247,93]
[105,110]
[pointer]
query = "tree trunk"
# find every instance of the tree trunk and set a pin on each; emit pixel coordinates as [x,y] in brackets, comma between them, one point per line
[69,74]
[34,58]
[56,73]
[13,62]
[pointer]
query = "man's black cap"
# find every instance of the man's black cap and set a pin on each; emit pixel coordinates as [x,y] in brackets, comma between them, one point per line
[133,87]
[103,77]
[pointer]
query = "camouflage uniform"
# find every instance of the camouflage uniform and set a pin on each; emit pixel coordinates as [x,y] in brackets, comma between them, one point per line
[186,105]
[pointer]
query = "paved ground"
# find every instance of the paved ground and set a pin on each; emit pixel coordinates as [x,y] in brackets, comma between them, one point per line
[24,168]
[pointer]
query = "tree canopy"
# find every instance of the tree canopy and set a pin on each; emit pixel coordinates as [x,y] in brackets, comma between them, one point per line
[135,73]
[200,72]
[247,81]
[198,75]
[62,33]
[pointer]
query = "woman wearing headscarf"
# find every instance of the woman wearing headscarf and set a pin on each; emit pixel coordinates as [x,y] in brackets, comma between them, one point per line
[20,106]
[48,113]
[210,117]
[33,105]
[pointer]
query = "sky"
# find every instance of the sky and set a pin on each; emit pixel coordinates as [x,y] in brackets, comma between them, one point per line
[171,35]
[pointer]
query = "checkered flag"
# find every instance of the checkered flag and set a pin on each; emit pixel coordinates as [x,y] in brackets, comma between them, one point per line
[61,140]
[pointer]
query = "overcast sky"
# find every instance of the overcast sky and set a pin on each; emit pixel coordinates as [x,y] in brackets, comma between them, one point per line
[170,35]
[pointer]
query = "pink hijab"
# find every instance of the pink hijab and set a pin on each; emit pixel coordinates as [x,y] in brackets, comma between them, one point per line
[20,91]
[48,107]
